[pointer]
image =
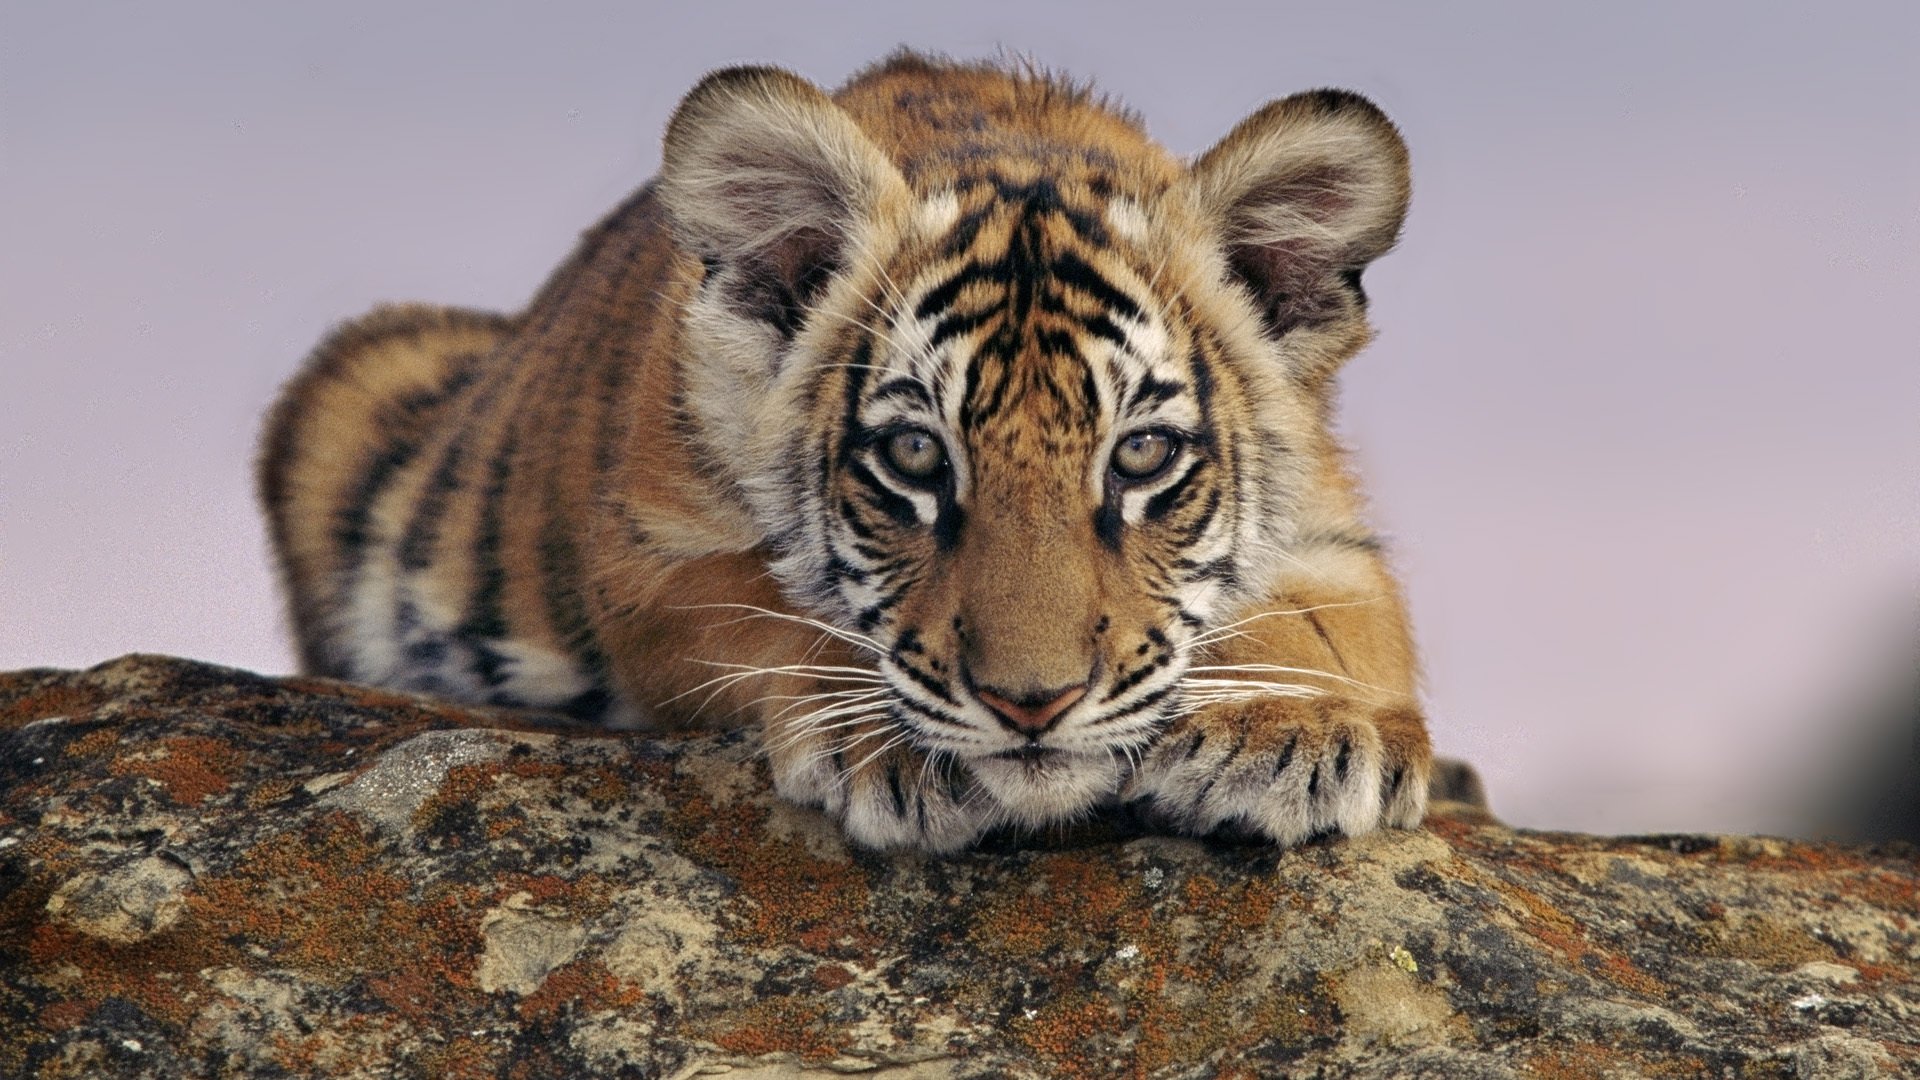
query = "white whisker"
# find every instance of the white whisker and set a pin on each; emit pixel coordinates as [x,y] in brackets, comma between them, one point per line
[1216,633]
[1281,669]
[754,611]
[884,747]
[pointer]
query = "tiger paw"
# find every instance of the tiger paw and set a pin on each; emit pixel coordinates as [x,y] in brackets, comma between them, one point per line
[887,797]
[1287,768]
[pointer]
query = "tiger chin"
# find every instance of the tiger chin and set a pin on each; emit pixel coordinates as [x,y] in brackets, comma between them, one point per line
[947,430]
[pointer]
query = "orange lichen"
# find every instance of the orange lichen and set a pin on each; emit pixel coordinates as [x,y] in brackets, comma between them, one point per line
[1173,1032]
[461,787]
[1769,942]
[55,699]
[101,740]
[1453,830]
[1076,901]
[787,894]
[578,898]
[831,976]
[1245,905]
[1066,1032]
[782,1025]
[268,792]
[411,993]
[464,1058]
[1586,1061]
[323,900]
[159,974]
[189,768]
[607,788]
[580,986]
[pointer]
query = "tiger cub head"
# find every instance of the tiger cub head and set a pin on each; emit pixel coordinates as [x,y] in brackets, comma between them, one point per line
[1019,399]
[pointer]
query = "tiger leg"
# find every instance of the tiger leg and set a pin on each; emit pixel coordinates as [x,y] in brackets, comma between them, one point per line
[1301,722]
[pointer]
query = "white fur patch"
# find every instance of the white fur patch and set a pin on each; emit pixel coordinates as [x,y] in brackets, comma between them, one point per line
[936,215]
[1126,217]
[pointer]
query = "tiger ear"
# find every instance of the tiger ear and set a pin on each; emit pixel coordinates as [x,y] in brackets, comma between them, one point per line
[1307,191]
[763,174]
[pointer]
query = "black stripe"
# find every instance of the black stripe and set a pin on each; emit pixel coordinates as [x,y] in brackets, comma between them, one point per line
[856,376]
[1052,342]
[567,612]
[1224,569]
[927,682]
[1103,327]
[404,417]
[869,616]
[1070,270]
[423,528]
[839,569]
[954,325]
[1313,620]
[486,617]
[928,712]
[1173,495]
[894,789]
[942,296]
[851,515]
[1138,707]
[1198,527]
[1138,676]
[967,229]
[1153,391]
[948,522]
[884,498]
[905,386]
[1202,367]
[1107,522]
[1286,756]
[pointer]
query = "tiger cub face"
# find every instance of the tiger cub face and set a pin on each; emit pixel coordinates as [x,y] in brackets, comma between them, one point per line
[1025,413]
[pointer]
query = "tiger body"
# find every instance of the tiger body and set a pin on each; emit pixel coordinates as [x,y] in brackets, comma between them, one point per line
[965,441]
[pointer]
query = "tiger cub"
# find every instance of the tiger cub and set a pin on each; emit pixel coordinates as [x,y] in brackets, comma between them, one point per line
[964,441]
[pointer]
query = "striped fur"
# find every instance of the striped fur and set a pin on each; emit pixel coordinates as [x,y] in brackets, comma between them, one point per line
[948,430]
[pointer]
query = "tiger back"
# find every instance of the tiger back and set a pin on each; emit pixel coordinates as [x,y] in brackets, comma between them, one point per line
[965,442]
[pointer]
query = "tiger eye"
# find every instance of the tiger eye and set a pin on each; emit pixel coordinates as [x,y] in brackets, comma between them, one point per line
[1143,454]
[915,454]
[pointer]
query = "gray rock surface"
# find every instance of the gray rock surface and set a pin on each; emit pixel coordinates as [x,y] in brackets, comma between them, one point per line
[208,873]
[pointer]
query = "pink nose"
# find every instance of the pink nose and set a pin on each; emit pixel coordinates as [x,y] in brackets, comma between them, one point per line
[1032,714]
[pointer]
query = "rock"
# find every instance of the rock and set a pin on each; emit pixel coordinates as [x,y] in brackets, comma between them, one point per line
[209,873]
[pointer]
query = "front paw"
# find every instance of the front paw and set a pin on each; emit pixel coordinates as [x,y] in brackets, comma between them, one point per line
[884,794]
[1288,768]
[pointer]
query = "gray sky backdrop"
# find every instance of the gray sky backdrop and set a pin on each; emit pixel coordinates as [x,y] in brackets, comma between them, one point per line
[1641,419]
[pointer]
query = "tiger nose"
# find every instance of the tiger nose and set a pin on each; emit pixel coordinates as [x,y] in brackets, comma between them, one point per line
[1031,714]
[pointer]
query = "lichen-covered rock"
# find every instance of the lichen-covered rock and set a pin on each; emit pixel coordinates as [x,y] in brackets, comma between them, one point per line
[208,873]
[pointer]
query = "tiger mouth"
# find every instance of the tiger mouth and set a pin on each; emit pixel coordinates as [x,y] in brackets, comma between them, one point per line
[1032,754]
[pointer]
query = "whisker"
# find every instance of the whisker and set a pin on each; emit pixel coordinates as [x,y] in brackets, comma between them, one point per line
[845,697]
[1215,633]
[1281,669]
[754,611]
[839,671]
[840,746]
[862,763]
[722,683]
[805,731]
[862,324]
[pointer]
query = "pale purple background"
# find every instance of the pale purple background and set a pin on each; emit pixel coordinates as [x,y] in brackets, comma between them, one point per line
[1641,418]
